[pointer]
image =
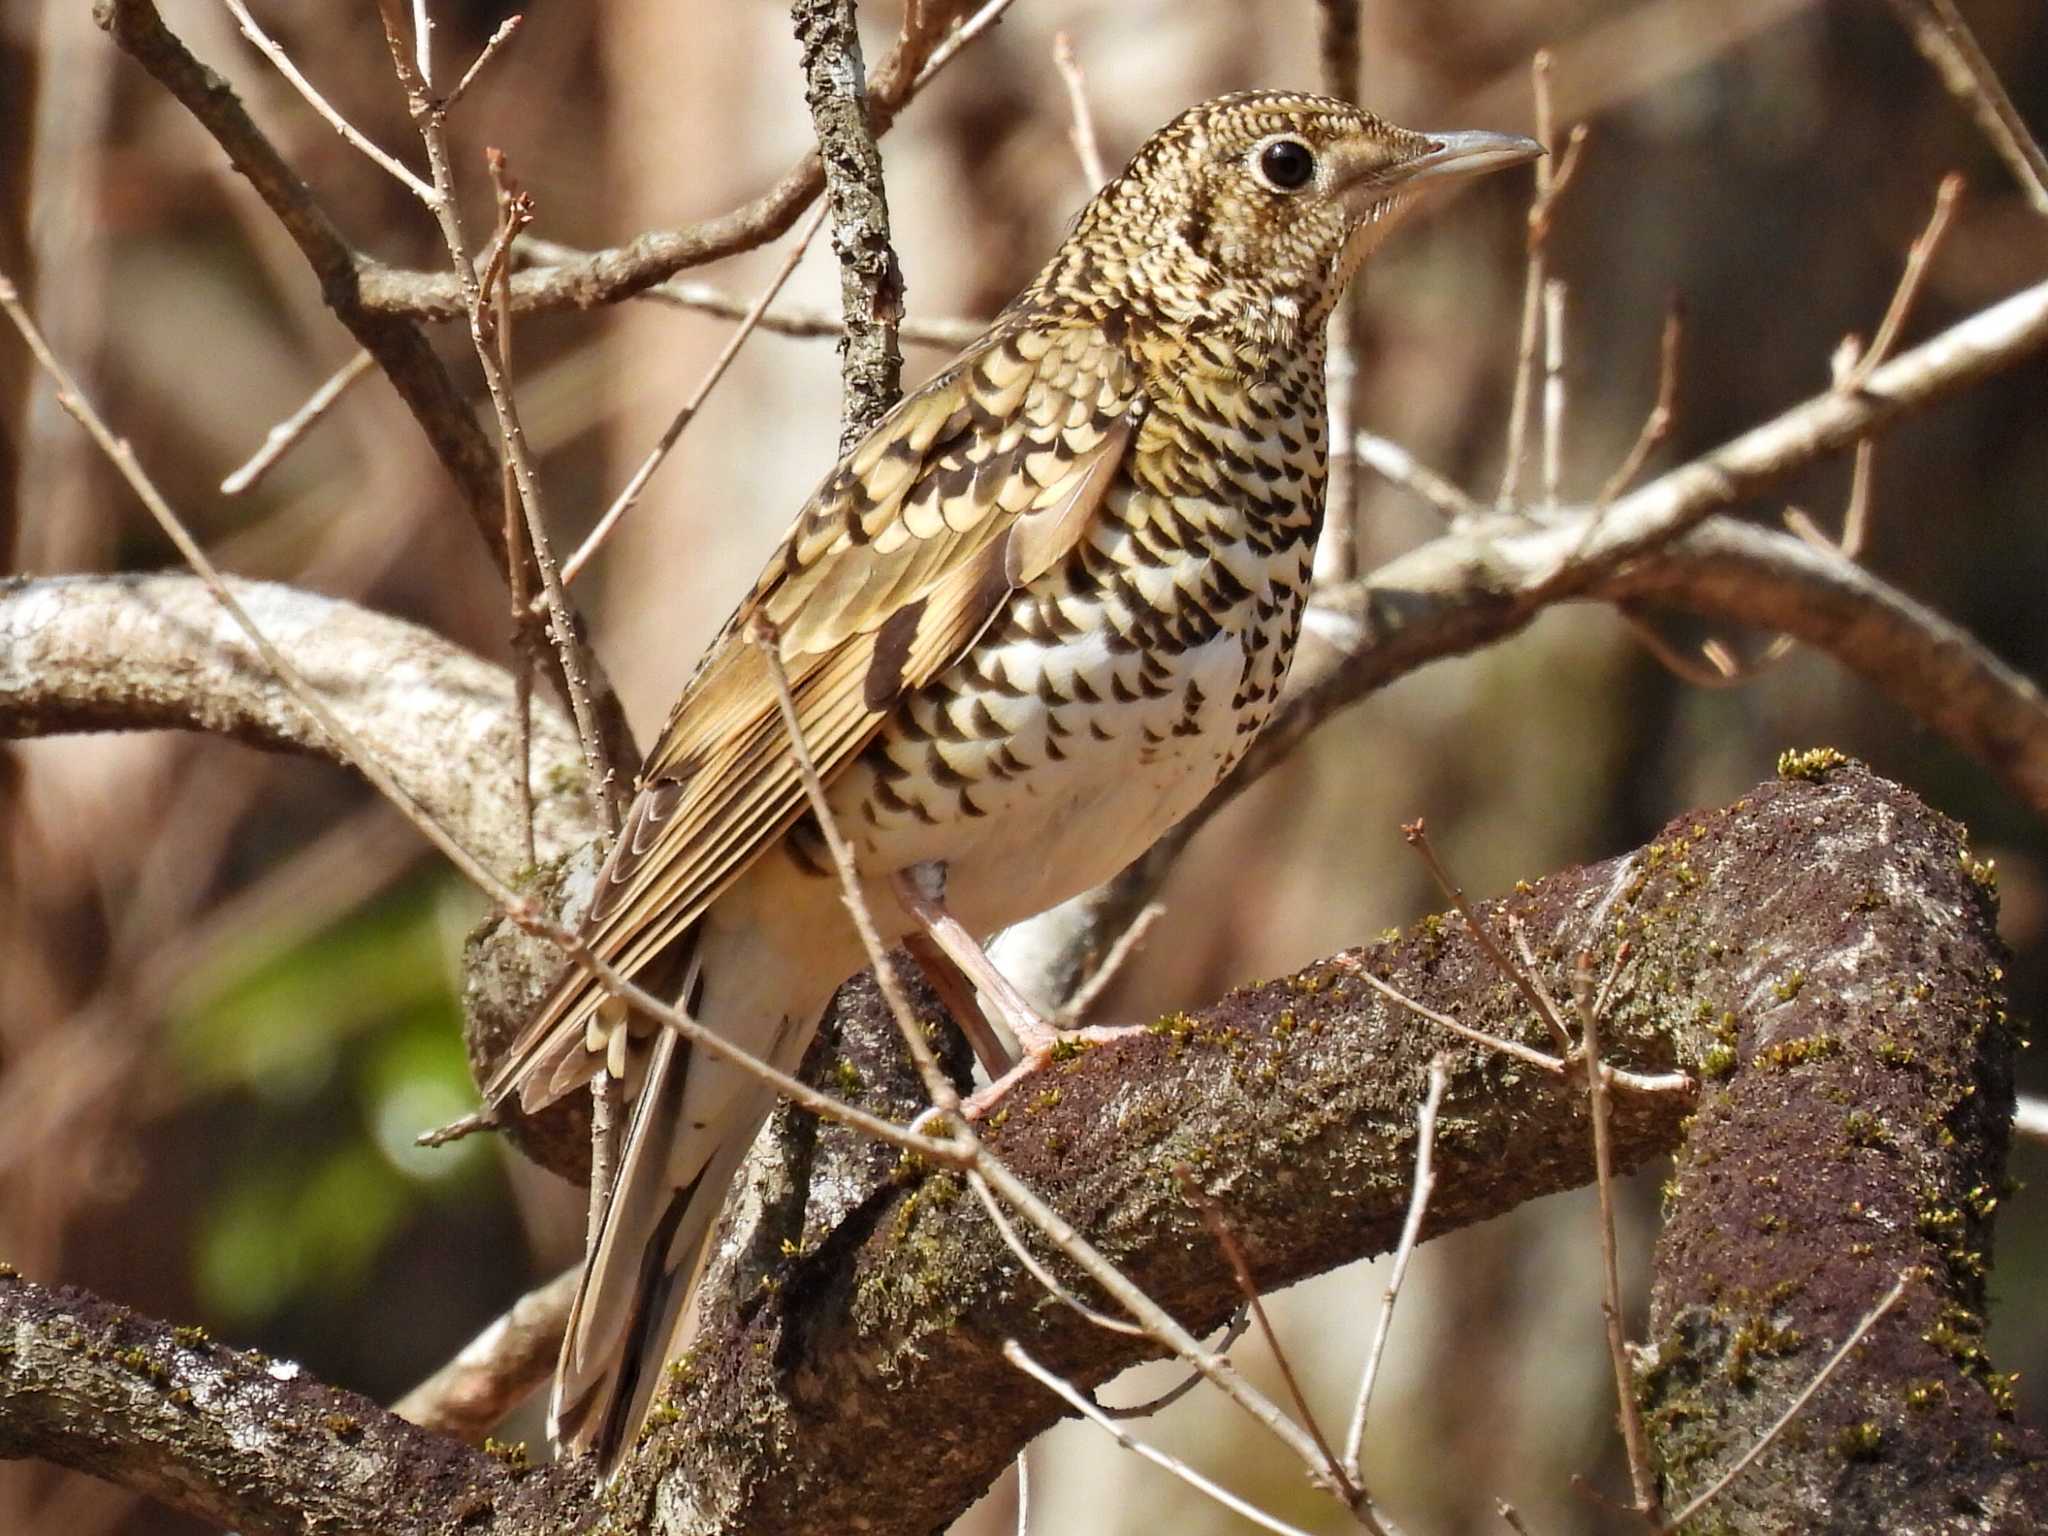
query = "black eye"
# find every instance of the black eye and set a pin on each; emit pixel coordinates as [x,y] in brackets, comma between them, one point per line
[1287,164]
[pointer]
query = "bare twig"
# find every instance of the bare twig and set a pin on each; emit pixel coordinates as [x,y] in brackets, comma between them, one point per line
[490,49]
[1945,40]
[279,439]
[498,1369]
[1411,1231]
[1238,1326]
[1525,981]
[606,788]
[630,494]
[341,125]
[1919,257]
[1657,425]
[1632,1434]
[1792,1411]
[1076,1008]
[783,320]
[1397,466]
[1553,175]
[1073,1398]
[1037,1270]
[1081,131]
[1352,1491]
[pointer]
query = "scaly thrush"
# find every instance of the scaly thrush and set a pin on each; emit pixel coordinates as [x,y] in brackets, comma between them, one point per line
[1027,624]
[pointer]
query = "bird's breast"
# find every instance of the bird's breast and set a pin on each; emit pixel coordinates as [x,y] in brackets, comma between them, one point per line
[1100,706]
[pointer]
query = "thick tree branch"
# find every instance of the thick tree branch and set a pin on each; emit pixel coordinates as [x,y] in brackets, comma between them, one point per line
[864,1386]
[1294,1104]
[239,1441]
[86,653]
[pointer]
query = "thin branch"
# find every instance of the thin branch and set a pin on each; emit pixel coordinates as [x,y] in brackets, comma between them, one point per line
[1016,1354]
[1411,1231]
[1081,131]
[498,1369]
[1945,40]
[630,494]
[498,40]
[1398,467]
[1663,413]
[1919,257]
[573,660]
[870,280]
[280,439]
[1553,175]
[1077,1008]
[786,320]
[1525,980]
[606,277]
[1798,1404]
[1352,1492]
[341,125]
[1633,1437]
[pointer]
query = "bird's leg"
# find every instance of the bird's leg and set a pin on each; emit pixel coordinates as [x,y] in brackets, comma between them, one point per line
[957,994]
[921,889]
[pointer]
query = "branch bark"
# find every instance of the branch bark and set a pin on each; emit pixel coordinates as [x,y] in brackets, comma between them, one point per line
[864,1386]
[89,653]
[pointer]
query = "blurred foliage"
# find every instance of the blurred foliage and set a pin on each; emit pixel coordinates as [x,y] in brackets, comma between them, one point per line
[357,1031]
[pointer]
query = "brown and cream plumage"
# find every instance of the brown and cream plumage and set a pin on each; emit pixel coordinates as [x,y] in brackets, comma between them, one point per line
[1027,624]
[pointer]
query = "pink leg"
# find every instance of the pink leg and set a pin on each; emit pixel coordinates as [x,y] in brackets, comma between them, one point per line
[922,892]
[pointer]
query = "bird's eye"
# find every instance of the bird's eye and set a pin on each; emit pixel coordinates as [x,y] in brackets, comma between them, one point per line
[1287,165]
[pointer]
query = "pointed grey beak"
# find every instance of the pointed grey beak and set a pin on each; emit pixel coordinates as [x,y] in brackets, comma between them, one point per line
[1469,153]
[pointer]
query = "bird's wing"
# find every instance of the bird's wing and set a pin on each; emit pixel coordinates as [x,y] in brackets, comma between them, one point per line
[971,487]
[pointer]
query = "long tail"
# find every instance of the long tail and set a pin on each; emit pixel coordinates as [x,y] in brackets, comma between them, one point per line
[652,1243]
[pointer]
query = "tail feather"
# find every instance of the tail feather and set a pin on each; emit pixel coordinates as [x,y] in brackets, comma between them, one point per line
[652,1244]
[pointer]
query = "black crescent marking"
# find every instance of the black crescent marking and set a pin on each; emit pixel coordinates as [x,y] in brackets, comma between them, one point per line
[892,652]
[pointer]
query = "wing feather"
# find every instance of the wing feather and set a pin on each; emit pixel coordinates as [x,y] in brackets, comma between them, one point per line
[893,568]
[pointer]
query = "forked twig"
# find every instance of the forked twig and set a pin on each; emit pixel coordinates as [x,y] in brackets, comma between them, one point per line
[1411,1231]
[281,61]
[1065,1390]
[1417,835]
[1233,1252]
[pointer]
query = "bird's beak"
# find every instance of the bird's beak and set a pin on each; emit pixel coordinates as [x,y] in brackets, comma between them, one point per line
[1454,156]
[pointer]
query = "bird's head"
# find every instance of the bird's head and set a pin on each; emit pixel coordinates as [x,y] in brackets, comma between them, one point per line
[1264,197]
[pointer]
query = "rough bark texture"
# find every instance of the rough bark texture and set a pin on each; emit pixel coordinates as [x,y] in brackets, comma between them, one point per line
[1821,954]
[870,282]
[87,653]
[1860,1133]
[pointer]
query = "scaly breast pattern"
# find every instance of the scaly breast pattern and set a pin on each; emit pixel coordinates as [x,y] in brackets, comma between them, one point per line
[1107,698]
